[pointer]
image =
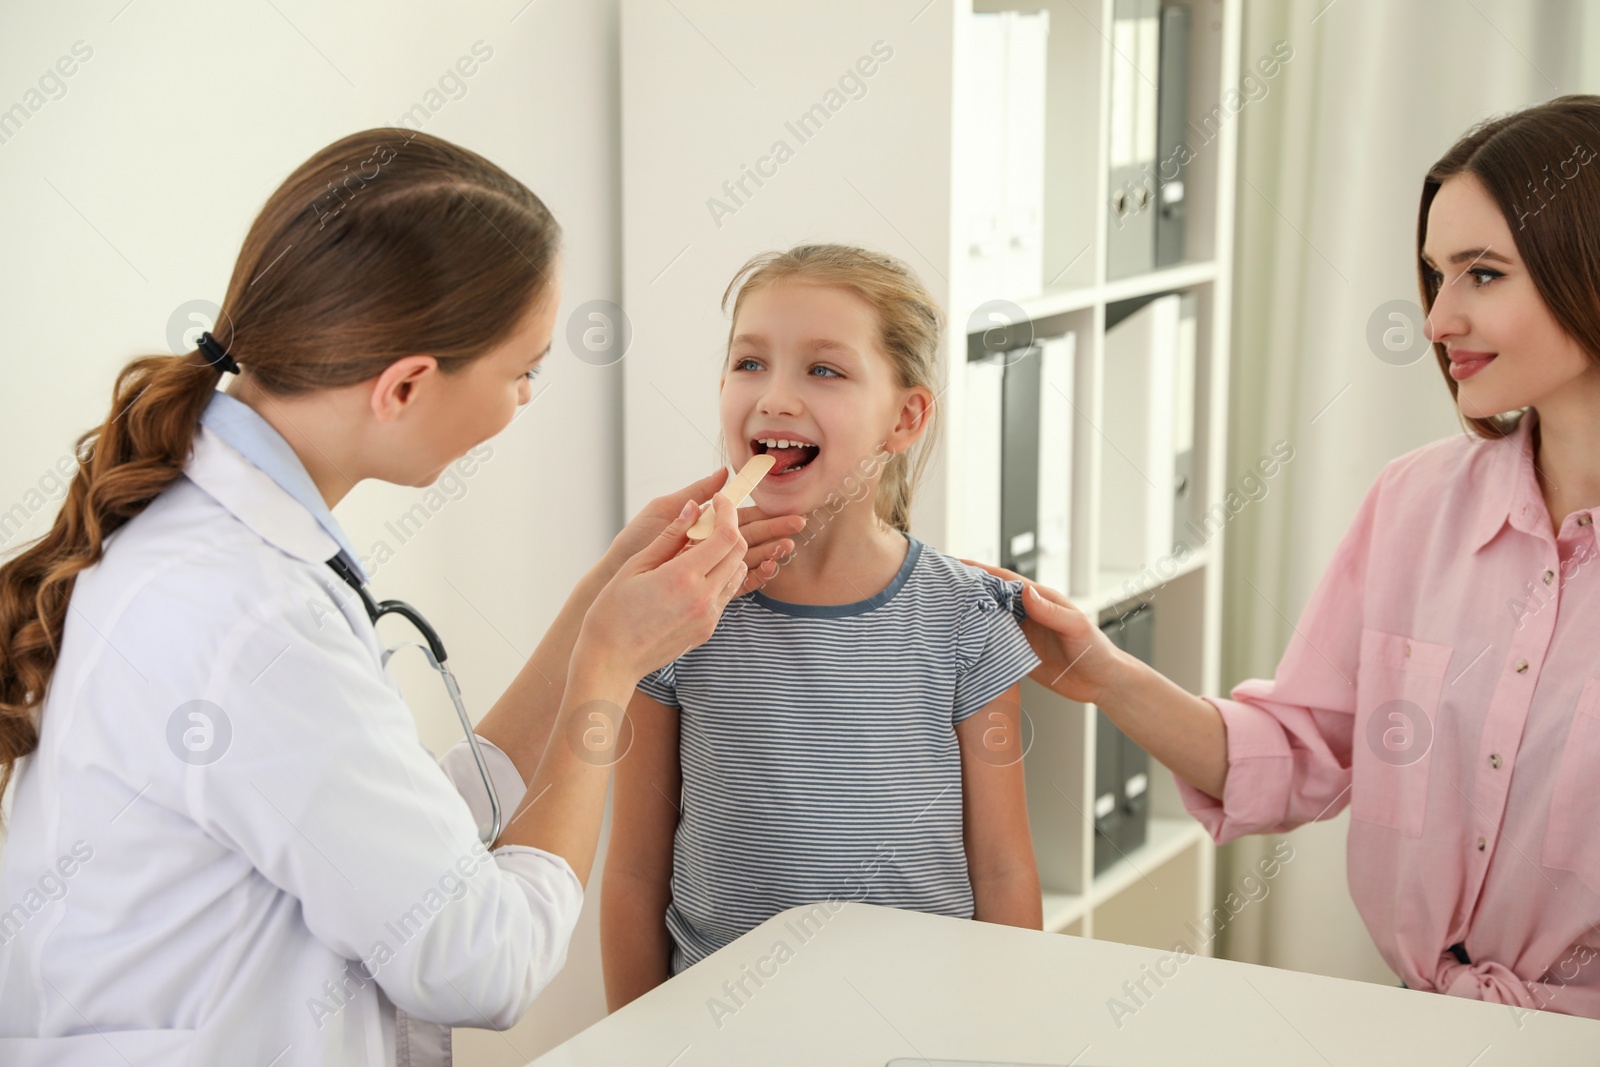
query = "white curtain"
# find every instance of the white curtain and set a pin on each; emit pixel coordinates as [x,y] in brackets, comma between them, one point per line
[1331,166]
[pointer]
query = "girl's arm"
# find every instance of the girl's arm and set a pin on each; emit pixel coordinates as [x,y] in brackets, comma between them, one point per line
[635,947]
[1005,878]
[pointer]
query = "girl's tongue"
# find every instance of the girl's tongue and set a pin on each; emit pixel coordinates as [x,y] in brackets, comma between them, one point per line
[790,459]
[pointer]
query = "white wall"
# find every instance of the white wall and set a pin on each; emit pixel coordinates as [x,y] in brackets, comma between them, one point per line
[129,195]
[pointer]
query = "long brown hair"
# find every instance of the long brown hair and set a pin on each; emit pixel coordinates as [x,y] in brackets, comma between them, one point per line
[1541,168]
[385,243]
[909,321]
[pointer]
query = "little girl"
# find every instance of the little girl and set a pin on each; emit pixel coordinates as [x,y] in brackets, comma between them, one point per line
[850,732]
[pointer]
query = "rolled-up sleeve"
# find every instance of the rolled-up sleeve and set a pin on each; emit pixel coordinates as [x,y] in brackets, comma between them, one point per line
[1289,737]
[548,880]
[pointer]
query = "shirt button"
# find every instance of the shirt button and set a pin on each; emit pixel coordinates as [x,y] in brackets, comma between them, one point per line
[1522,666]
[1408,648]
[1584,520]
[1482,844]
[1549,576]
[1494,760]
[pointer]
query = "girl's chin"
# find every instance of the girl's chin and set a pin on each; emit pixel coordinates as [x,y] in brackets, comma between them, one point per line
[790,494]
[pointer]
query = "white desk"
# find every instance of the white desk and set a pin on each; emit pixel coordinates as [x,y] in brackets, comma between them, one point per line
[871,984]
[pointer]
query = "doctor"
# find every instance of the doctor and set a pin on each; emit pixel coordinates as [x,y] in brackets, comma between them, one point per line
[225,842]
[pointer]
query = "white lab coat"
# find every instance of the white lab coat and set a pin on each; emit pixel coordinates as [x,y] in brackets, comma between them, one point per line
[157,909]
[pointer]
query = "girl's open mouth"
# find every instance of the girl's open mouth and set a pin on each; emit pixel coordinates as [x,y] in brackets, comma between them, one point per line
[790,457]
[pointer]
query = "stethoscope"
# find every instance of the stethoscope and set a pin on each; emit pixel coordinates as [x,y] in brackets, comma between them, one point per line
[434,650]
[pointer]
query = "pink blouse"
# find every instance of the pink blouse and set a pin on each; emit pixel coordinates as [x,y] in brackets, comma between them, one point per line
[1444,682]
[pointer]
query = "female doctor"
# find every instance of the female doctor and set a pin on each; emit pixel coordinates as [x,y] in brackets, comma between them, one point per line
[1444,680]
[225,842]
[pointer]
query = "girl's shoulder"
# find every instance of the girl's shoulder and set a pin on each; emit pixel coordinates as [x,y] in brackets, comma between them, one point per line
[990,651]
[972,590]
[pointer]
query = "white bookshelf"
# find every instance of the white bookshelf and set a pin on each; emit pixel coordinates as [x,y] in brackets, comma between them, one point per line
[708,88]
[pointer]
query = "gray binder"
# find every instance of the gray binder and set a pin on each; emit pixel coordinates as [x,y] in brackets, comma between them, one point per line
[1135,71]
[1171,215]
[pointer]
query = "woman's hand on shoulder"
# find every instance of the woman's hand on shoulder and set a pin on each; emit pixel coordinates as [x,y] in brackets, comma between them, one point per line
[1076,658]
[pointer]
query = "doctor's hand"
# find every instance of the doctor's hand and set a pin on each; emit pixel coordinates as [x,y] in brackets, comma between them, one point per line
[667,597]
[1077,659]
[767,537]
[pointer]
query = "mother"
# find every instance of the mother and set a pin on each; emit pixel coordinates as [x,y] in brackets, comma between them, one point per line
[1460,607]
[278,899]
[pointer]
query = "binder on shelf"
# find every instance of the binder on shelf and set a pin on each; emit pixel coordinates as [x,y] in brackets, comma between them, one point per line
[1138,463]
[1018,458]
[1058,375]
[1003,114]
[1019,463]
[1135,73]
[984,163]
[1137,633]
[1122,768]
[1185,493]
[1027,37]
[984,432]
[1172,106]
[1108,833]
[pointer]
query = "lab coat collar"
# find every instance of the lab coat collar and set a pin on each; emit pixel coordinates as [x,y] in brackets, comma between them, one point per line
[248,468]
[1510,492]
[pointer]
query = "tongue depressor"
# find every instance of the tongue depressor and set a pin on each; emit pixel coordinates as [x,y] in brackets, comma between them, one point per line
[739,486]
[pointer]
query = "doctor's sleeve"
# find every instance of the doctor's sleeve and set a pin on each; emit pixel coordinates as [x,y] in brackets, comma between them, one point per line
[328,791]
[1289,737]
[462,770]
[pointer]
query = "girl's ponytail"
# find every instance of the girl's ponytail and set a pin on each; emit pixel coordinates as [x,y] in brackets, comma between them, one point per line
[123,465]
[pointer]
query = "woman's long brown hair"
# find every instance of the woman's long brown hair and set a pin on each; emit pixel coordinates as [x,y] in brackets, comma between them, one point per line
[1541,166]
[385,243]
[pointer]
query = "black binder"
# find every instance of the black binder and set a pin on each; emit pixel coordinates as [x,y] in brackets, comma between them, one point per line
[1122,768]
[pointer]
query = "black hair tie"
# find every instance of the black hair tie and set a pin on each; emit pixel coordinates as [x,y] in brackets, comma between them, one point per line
[215,354]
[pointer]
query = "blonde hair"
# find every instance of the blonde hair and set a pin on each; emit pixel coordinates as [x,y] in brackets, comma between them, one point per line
[909,324]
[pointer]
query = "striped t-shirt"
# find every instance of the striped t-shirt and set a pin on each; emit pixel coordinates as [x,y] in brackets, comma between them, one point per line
[819,753]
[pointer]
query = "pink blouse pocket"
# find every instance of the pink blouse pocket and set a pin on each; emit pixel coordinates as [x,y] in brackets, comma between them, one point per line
[1397,702]
[1572,838]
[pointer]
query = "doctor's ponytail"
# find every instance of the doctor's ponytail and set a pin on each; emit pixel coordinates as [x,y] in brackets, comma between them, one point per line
[385,243]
